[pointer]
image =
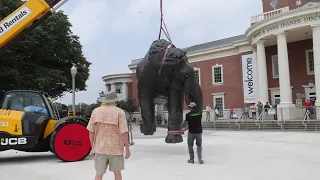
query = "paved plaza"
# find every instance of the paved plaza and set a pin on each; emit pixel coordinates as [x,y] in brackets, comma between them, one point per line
[228,155]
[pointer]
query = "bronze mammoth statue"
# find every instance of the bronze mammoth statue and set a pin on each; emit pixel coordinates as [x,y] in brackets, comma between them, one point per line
[165,71]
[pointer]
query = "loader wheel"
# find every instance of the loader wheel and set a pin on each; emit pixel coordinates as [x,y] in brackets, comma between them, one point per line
[70,141]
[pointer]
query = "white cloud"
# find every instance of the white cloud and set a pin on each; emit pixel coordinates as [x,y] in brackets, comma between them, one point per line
[105,23]
[195,21]
[133,15]
[88,18]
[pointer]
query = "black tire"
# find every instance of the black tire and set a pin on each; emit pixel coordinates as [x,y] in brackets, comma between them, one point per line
[55,133]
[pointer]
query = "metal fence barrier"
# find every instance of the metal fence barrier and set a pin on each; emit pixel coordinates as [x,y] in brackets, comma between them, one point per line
[130,134]
[286,119]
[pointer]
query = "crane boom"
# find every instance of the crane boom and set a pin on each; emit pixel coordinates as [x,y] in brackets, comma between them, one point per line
[23,19]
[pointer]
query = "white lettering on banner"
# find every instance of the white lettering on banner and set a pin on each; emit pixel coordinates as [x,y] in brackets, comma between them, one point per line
[12,21]
[248,76]
[13,141]
[287,23]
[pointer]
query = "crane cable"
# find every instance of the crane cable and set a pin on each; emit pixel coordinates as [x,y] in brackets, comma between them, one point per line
[163,28]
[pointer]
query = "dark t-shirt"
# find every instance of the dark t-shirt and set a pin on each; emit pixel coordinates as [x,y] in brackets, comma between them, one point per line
[194,122]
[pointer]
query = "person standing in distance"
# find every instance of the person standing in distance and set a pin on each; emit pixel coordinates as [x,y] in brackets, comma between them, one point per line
[109,136]
[194,125]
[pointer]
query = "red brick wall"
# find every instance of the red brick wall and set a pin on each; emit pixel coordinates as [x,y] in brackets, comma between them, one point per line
[297,66]
[281,3]
[232,78]
[130,93]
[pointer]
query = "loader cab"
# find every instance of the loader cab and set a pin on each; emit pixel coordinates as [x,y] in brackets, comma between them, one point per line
[27,101]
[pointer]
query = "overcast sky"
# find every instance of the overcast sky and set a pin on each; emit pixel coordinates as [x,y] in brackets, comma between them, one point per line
[115,32]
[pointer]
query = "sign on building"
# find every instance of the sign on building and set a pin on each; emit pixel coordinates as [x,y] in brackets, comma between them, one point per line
[249,78]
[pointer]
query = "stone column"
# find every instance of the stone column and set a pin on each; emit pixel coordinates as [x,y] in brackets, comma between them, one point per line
[316,57]
[262,73]
[125,90]
[284,73]
[286,110]
[113,87]
[106,91]
[255,72]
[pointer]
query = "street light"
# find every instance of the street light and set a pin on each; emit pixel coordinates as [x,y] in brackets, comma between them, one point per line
[311,84]
[73,71]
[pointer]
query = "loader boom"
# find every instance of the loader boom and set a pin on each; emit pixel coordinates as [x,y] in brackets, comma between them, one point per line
[23,19]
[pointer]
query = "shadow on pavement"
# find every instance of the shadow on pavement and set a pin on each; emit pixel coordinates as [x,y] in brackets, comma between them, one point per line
[25,158]
[34,158]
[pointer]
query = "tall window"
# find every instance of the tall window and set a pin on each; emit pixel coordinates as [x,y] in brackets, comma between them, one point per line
[197,74]
[310,61]
[218,101]
[108,87]
[275,66]
[217,74]
[118,88]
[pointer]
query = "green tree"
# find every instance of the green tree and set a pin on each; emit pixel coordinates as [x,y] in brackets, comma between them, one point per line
[84,108]
[42,60]
[128,105]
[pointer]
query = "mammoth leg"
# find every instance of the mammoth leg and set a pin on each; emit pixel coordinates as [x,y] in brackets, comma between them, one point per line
[175,109]
[146,101]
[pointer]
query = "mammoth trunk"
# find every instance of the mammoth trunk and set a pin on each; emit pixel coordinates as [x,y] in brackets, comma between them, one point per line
[195,96]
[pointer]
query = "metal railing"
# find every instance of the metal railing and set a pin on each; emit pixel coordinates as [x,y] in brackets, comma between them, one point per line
[241,117]
[286,119]
[291,118]
[130,137]
[267,15]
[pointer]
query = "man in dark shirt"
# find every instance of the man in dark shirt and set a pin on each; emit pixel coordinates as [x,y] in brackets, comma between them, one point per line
[193,123]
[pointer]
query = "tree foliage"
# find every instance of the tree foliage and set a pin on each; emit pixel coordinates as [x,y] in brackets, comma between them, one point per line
[84,108]
[128,105]
[42,60]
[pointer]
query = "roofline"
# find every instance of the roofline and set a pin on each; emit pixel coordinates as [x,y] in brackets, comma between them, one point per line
[215,47]
[234,44]
[113,76]
[292,13]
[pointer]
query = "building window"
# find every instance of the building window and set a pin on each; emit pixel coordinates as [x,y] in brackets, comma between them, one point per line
[277,99]
[118,88]
[108,87]
[218,102]
[312,98]
[197,74]
[217,74]
[310,61]
[275,66]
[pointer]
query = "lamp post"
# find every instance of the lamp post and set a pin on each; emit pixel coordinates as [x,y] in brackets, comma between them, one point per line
[311,84]
[73,74]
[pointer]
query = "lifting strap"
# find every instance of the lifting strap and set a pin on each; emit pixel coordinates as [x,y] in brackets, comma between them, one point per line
[163,28]
[176,132]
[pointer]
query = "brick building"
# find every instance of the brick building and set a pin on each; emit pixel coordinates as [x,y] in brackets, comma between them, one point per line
[277,60]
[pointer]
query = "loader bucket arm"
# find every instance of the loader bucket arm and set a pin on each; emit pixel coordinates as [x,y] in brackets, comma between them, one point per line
[23,20]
